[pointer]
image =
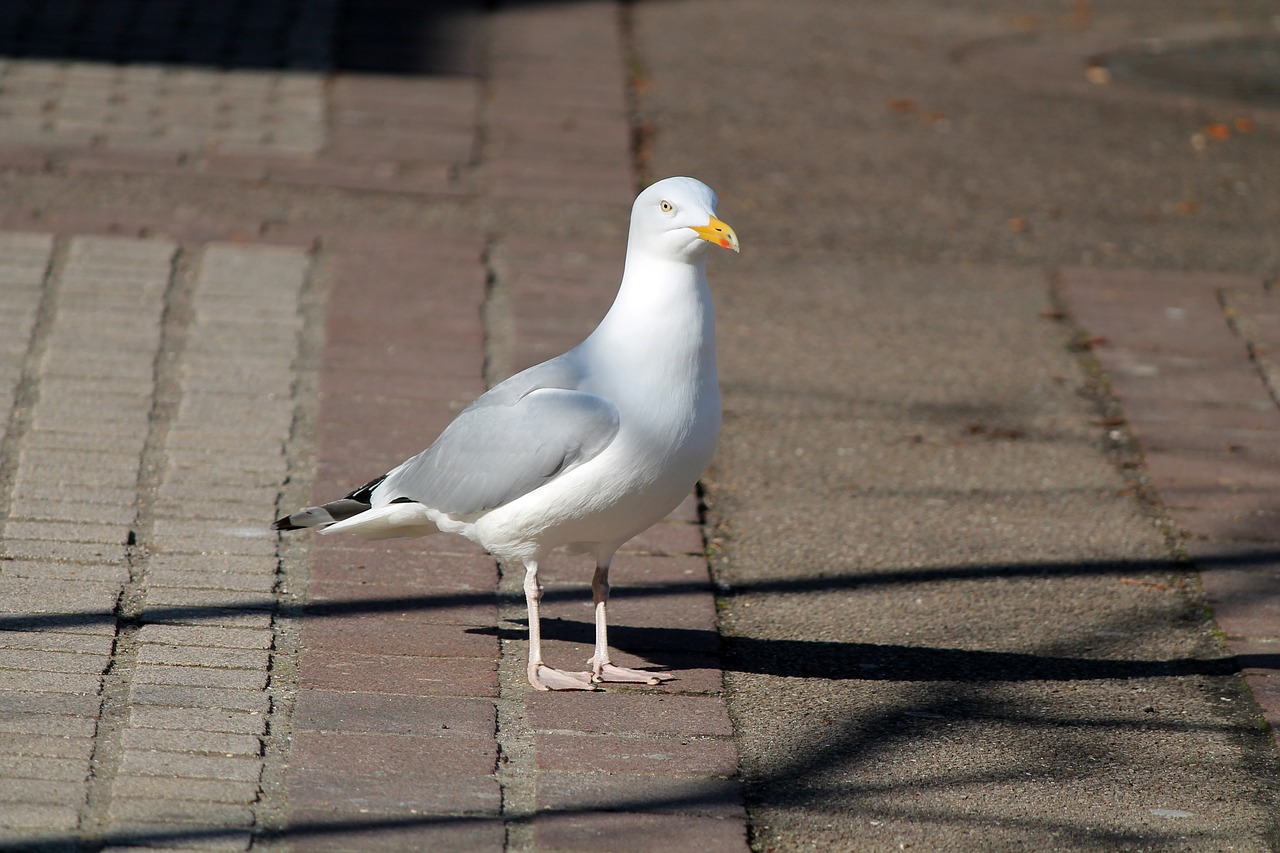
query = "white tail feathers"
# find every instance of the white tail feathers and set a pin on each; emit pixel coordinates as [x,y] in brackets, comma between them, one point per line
[404,518]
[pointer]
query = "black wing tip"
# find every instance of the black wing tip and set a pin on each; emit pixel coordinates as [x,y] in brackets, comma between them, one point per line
[284,524]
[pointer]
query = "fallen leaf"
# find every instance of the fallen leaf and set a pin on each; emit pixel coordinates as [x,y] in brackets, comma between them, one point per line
[1151,584]
[902,105]
[1081,14]
[1018,225]
[1243,124]
[1186,208]
[1218,131]
[1097,74]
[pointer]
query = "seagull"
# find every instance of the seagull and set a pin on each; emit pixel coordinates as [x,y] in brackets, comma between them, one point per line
[583,451]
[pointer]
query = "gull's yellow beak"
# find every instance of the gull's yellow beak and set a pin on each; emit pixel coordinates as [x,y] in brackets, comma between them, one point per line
[719,233]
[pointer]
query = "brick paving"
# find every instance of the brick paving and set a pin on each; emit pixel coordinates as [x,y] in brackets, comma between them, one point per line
[1189,359]
[176,677]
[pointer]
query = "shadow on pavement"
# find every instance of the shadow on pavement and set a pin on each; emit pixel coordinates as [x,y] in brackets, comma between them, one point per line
[316,829]
[376,36]
[780,657]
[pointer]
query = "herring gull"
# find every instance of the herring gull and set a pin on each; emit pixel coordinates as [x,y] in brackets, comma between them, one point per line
[583,451]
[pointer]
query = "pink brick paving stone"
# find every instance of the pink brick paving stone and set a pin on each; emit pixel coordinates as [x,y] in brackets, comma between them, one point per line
[616,713]
[1260,664]
[403,563]
[370,671]
[389,631]
[1242,582]
[638,833]
[360,771]
[436,676]
[687,756]
[324,831]
[1163,311]
[577,791]
[1181,369]
[392,714]
[1212,381]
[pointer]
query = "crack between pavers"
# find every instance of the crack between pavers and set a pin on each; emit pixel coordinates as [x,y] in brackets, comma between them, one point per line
[293,576]
[27,391]
[1245,328]
[117,681]
[642,130]
[516,769]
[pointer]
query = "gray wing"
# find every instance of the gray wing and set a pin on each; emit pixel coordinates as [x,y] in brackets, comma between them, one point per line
[504,446]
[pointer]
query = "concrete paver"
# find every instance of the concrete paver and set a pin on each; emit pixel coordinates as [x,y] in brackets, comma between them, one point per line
[951,604]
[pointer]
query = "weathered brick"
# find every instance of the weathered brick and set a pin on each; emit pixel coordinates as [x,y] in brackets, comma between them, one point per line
[47,791]
[203,790]
[381,772]
[40,816]
[186,718]
[668,537]
[698,756]
[82,683]
[48,641]
[185,696]
[43,767]
[622,713]
[201,656]
[178,740]
[77,552]
[219,637]
[227,601]
[174,811]
[436,676]
[52,661]
[51,745]
[147,762]
[201,676]
[345,628]
[625,792]
[639,833]
[327,710]
[329,831]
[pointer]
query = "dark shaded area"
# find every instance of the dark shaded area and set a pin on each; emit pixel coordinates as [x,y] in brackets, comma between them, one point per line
[888,662]
[333,830]
[382,36]
[1240,69]
[781,657]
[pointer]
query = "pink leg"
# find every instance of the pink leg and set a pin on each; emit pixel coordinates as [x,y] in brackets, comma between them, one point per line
[541,676]
[602,670]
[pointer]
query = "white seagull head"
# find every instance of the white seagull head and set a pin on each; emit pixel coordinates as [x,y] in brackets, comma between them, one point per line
[676,218]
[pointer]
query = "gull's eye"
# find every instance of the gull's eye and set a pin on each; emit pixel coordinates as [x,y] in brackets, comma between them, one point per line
[666,206]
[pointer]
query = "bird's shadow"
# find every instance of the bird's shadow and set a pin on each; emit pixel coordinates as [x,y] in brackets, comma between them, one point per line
[670,647]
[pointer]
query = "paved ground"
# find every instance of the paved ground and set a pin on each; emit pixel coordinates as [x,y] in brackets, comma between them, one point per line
[993,553]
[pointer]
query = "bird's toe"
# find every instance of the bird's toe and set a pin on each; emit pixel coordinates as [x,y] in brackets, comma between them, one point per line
[621,675]
[546,678]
